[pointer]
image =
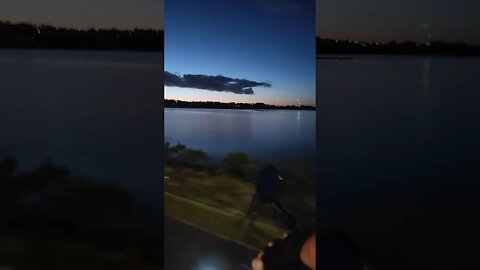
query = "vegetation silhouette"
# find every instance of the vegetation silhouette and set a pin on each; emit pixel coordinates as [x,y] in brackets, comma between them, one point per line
[230,183]
[241,165]
[331,46]
[30,36]
[236,164]
[181,156]
[231,105]
[50,213]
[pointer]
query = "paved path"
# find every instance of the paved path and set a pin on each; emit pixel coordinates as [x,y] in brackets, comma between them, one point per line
[189,248]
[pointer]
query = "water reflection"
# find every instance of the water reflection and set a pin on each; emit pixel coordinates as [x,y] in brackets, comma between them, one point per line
[426,74]
[96,204]
[399,157]
[96,112]
[265,135]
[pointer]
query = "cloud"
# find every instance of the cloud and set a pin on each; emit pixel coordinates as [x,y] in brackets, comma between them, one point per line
[217,83]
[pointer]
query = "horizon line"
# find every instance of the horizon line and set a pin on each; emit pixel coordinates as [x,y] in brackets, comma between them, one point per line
[398,41]
[84,28]
[240,103]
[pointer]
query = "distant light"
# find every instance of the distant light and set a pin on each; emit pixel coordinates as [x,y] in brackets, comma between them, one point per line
[39,31]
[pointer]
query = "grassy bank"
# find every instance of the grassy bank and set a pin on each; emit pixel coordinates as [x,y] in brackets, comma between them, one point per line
[231,225]
[220,198]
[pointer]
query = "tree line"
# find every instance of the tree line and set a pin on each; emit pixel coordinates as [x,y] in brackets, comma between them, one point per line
[231,105]
[30,36]
[331,46]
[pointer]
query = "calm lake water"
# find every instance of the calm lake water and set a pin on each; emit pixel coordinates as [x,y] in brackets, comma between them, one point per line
[99,113]
[278,137]
[399,157]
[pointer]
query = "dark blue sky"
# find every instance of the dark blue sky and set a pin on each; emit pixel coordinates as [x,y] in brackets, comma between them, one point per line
[86,13]
[383,20]
[270,41]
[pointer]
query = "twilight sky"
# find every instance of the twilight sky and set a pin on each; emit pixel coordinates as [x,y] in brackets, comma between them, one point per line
[240,51]
[450,20]
[383,20]
[122,14]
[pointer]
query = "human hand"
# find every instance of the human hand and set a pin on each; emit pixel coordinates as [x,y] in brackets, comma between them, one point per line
[257,263]
[307,254]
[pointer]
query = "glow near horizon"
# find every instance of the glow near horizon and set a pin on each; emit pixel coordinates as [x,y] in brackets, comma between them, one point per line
[246,41]
[187,94]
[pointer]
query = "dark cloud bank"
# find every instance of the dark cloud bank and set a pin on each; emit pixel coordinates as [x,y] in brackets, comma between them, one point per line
[217,83]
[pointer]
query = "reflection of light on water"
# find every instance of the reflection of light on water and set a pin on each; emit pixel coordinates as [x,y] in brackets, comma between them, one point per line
[299,116]
[426,74]
[425,109]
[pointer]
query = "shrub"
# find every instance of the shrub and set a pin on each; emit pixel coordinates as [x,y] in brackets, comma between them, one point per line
[239,164]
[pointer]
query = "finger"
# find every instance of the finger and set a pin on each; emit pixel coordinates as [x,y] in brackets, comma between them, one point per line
[257,264]
[260,255]
[308,252]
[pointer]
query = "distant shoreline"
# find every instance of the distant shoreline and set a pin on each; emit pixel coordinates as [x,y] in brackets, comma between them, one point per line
[242,109]
[233,106]
[352,57]
[82,50]
[407,48]
[47,37]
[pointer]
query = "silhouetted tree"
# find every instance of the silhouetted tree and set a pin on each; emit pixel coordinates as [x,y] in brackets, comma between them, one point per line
[329,46]
[29,36]
[231,105]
